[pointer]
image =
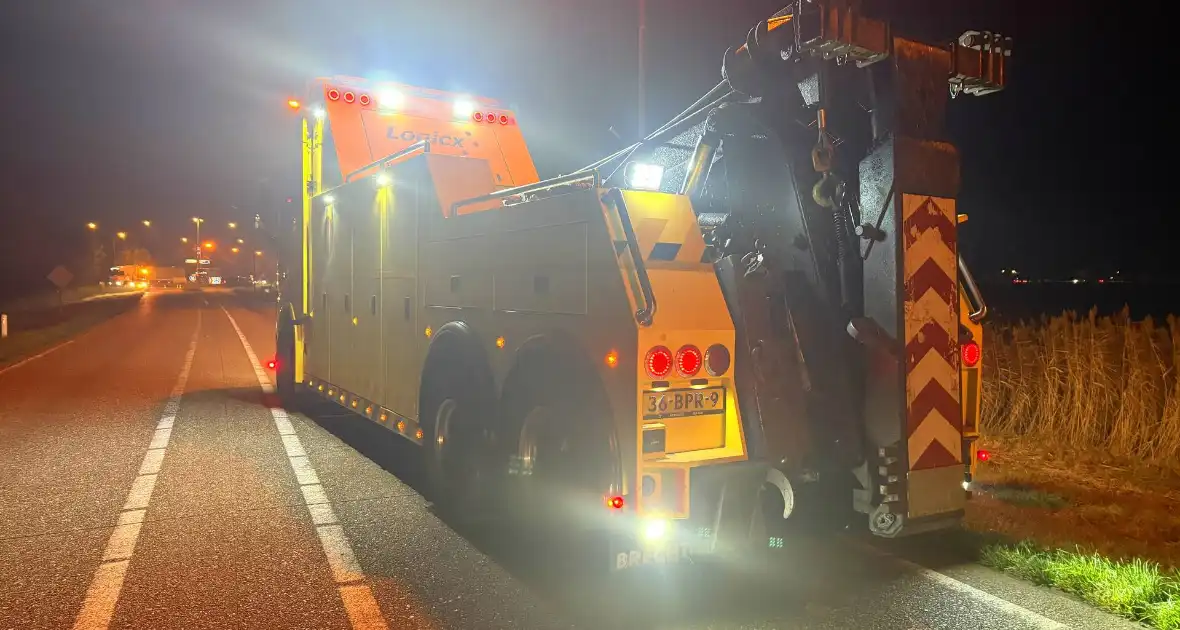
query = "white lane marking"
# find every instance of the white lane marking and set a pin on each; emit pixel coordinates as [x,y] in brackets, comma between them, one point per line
[1035,619]
[152,461]
[292,446]
[103,594]
[355,593]
[284,425]
[36,356]
[160,438]
[345,568]
[141,492]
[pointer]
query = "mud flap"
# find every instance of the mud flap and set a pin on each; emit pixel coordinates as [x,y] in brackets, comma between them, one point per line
[744,526]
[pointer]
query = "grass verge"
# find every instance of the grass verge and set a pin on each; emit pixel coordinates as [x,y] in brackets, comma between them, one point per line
[23,344]
[1135,589]
[1102,528]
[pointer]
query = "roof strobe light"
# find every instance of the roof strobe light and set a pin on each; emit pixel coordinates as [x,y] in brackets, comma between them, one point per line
[389,98]
[463,108]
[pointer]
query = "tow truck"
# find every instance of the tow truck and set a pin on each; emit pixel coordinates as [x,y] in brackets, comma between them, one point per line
[757,315]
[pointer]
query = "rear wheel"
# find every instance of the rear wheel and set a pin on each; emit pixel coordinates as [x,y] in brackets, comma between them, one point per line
[285,357]
[562,465]
[450,448]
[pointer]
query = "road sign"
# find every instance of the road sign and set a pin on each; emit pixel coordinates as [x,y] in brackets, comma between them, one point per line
[60,276]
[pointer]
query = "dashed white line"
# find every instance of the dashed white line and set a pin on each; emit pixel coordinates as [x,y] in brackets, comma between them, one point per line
[1035,619]
[355,593]
[103,594]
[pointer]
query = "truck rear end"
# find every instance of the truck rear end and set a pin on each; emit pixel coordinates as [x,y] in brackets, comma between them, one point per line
[835,235]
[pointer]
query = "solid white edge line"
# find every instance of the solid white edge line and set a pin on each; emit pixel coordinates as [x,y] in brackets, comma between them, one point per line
[355,593]
[13,366]
[99,606]
[25,360]
[1034,618]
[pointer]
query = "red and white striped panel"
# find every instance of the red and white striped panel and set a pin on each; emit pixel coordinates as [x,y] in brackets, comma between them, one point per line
[934,416]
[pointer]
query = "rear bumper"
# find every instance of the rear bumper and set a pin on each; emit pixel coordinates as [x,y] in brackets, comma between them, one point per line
[725,522]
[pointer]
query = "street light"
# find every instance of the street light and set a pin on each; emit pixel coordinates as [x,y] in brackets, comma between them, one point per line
[232,225]
[147,223]
[92,225]
[234,250]
[240,241]
[184,239]
[209,245]
[198,221]
[115,246]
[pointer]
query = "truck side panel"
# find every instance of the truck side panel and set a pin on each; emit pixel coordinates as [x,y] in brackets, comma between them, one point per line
[400,343]
[339,294]
[318,332]
[403,336]
[368,343]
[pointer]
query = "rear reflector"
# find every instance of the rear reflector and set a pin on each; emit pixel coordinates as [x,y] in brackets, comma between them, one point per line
[717,360]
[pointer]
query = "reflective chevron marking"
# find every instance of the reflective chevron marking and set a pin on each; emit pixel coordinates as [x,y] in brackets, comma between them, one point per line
[936,438]
[934,416]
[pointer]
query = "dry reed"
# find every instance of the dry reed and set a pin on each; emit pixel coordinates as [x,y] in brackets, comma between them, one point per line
[1098,383]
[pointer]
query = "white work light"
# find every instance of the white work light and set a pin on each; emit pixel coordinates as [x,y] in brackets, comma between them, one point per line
[383,180]
[388,98]
[463,108]
[641,176]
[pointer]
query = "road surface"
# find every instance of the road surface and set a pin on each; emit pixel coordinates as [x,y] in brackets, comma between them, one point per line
[148,483]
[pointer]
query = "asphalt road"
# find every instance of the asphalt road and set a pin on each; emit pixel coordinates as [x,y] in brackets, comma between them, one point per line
[147,482]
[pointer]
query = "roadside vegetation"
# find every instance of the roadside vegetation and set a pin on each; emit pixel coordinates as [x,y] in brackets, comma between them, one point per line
[41,327]
[1082,416]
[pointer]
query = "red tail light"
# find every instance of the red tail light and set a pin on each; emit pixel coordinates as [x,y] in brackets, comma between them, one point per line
[717,360]
[503,119]
[615,503]
[477,116]
[491,116]
[983,455]
[363,99]
[272,364]
[689,360]
[349,97]
[659,362]
[334,94]
[971,354]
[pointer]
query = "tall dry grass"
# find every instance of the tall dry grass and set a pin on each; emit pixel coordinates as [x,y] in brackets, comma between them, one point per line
[1105,383]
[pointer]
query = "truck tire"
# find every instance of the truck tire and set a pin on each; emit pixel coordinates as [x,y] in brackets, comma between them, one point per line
[563,448]
[450,449]
[285,384]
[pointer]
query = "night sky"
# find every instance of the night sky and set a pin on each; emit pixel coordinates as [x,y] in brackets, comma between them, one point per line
[121,110]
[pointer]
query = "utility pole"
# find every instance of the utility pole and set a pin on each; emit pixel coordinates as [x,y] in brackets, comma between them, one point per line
[642,70]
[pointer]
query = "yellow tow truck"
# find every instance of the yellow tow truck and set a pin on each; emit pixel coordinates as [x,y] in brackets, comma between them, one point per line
[730,323]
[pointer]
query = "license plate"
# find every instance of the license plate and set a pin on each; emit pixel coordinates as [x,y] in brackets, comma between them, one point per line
[669,554]
[679,403]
